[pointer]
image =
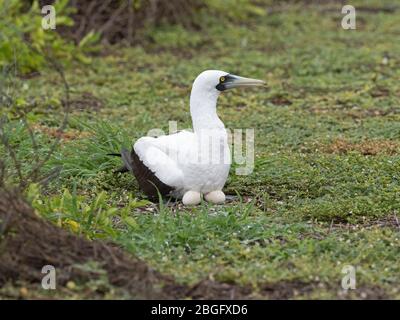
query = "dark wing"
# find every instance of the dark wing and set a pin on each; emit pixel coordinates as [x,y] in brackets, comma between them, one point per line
[147,180]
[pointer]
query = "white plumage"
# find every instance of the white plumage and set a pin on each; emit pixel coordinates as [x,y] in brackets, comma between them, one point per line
[195,163]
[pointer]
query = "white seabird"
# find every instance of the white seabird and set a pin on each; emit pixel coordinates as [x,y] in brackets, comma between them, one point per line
[188,164]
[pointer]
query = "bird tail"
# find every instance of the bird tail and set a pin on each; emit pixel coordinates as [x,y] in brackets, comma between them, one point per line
[126,157]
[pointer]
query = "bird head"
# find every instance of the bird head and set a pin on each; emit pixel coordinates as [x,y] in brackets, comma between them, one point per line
[212,80]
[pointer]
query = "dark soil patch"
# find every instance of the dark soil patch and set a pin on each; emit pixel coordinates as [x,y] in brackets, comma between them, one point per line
[65,135]
[365,9]
[367,147]
[379,92]
[86,102]
[355,112]
[280,100]
[359,113]
[391,221]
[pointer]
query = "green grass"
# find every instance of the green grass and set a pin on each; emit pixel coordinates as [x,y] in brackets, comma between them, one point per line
[305,211]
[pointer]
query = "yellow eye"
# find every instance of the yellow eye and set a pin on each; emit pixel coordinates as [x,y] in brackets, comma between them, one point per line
[222,79]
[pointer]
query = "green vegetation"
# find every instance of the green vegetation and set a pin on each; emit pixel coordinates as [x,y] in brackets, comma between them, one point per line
[325,191]
[23,40]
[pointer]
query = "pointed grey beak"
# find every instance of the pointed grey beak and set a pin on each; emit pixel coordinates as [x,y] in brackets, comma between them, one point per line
[232,81]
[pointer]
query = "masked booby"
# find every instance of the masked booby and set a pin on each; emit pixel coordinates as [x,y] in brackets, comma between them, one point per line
[187,165]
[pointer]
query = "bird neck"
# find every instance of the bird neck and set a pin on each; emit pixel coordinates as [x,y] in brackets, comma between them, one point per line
[203,109]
